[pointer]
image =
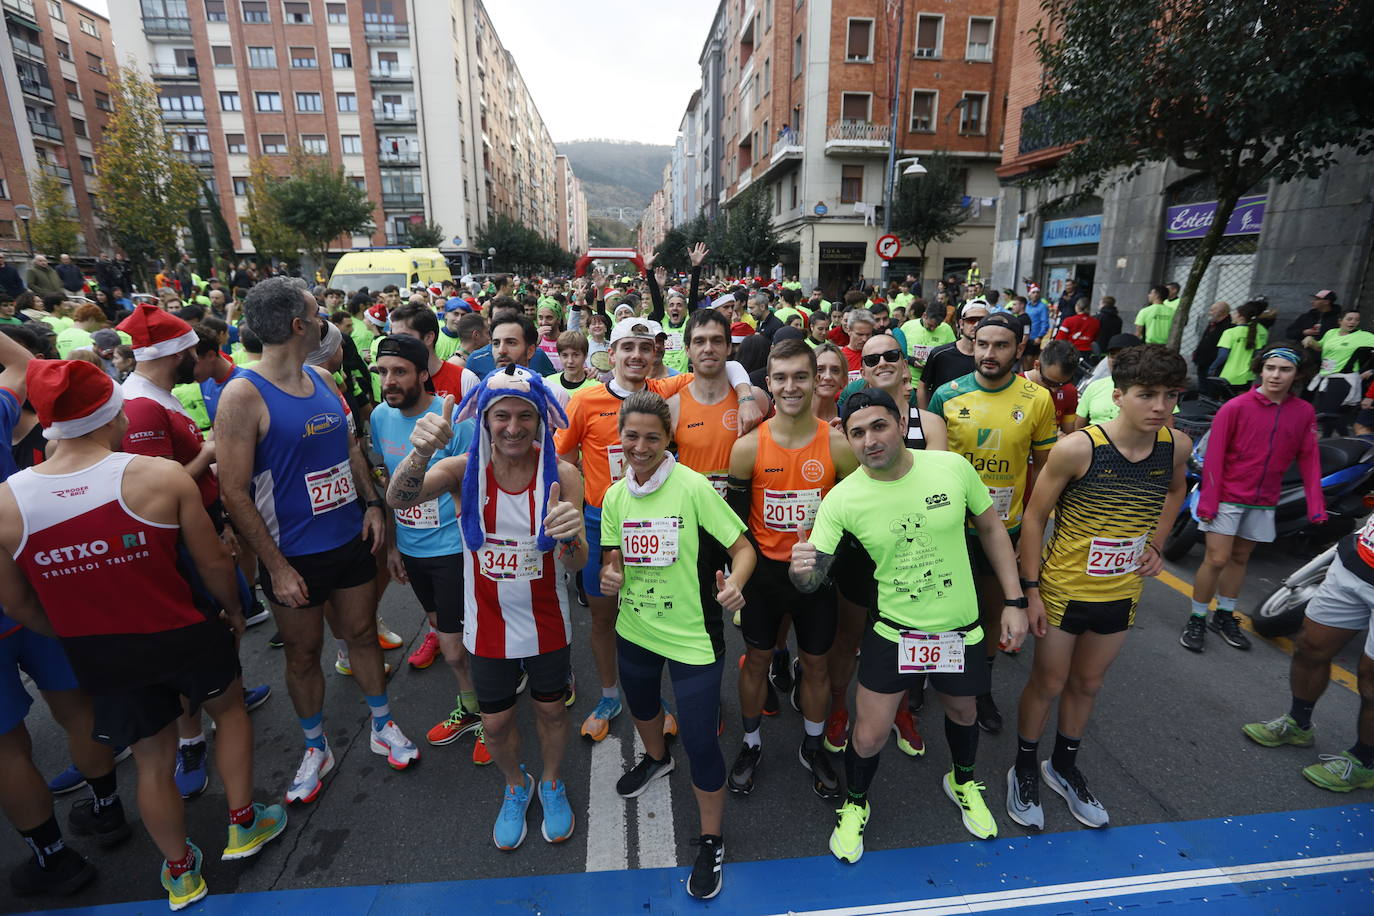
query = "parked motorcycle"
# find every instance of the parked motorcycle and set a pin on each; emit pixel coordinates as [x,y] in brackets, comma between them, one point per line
[1282,612]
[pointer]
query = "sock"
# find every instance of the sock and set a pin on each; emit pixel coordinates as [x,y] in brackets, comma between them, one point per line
[1226,604]
[381,711]
[858,774]
[611,693]
[1301,712]
[751,730]
[433,632]
[963,748]
[813,729]
[45,842]
[468,700]
[244,816]
[1026,755]
[103,790]
[1065,755]
[1364,753]
[1199,608]
[314,731]
[182,867]
[187,742]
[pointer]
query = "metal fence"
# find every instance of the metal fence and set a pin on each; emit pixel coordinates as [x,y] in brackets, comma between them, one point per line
[1227,279]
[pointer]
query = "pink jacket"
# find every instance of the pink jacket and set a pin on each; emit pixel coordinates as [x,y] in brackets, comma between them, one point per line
[1252,443]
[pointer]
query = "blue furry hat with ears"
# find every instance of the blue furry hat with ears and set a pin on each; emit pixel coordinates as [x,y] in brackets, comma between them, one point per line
[510,382]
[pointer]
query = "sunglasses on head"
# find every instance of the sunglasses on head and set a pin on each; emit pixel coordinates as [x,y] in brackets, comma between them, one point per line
[887,356]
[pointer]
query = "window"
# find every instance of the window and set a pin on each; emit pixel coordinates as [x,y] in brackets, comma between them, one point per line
[185,59]
[341,58]
[55,10]
[929,33]
[294,13]
[798,61]
[859,45]
[255,11]
[73,90]
[315,144]
[188,105]
[240,187]
[88,165]
[229,101]
[89,27]
[236,143]
[346,101]
[303,58]
[274,144]
[309,101]
[358,182]
[267,101]
[979,39]
[102,101]
[336,13]
[79,127]
[4,190]
[262,58]
[351,144]
[975,110]
[64,50]
[7,230]
[767,75]
[923,103]
[223,55]
[854,106]
[214,11]
[851,184]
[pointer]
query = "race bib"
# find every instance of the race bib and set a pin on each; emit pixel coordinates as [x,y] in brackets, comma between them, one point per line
[511,559]
[673,341]
[1001,500]
[330,488]
[649,541]
[615,460]
[720,482]
[1366,536]
[1328,366]
[919,354]
[790,510]
[940,653]
[1114,556]
[854,374]
[425,515]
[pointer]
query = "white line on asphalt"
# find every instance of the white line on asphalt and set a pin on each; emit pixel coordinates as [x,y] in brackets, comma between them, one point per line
[657,838]
[1114,887]
[606,833]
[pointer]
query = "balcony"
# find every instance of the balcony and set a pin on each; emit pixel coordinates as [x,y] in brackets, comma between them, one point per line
[60,172]
[45,130]
[37,90]
[396,160]
[174,72]
[402,200]
[197,156]
[390,75]
[847,138]
[395,115]
[183,114]
[789,146]
[164,27]
[27,48]
[24,8]
[981,214]
[386,31]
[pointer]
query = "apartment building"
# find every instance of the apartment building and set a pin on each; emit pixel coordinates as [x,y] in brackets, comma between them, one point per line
[54,62]
[571,210]
[417,100]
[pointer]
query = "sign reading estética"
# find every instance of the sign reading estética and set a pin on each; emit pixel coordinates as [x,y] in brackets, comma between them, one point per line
[1191,221]
[1078,230]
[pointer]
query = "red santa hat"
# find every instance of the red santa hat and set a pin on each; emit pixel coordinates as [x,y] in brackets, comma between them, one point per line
[157,333]
[739,331]
[376,315]
[71,397]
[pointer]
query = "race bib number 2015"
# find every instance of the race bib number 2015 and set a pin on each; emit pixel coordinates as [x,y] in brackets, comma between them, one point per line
[790,510]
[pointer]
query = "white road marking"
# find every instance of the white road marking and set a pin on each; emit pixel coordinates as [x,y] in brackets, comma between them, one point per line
[1114,887]
[606,819]
[657,839]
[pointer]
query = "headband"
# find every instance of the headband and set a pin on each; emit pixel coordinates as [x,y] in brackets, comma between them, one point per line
[1284,353]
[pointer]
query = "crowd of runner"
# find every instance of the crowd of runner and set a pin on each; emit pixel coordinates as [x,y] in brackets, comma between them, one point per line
[901,488]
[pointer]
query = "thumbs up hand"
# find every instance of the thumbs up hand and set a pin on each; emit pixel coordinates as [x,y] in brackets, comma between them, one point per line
[727,596]
[803,554]
[563,521]
[612,575]
[431,432]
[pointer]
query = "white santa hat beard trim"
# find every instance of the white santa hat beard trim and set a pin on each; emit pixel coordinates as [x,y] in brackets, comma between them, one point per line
[167,347]
[71,429]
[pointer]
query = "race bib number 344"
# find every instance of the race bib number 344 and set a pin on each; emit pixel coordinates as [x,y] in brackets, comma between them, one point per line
[330,488]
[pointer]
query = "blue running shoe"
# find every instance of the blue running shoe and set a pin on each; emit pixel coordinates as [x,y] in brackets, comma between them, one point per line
[558,814]
[598,725]
[70,779]
[192,775]
[254,697]
[509,831]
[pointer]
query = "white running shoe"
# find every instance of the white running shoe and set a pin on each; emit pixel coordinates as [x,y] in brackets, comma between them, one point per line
[394,746]
[309,779]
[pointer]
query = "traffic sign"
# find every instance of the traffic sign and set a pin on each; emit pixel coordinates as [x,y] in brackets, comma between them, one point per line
[888,247]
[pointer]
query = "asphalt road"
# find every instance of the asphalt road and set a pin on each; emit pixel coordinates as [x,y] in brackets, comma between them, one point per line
[1165,745]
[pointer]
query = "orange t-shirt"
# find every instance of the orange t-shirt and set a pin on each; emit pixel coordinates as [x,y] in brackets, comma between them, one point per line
[705,435]
[788,484]
[594,427]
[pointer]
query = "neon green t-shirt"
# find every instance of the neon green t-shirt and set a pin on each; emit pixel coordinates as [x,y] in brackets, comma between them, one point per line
[591,381]
[362,338]
[1236,369]
[675,346]
[445,346]
[661,607]
[1157,320]
[920,340]
[996,431]
[193,399]
[73,338]
[913,529]
[1337,348]
[1095,403]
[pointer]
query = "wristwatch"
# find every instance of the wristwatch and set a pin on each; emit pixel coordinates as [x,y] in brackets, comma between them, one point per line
[376,504]
[1029,584]
[1021,603]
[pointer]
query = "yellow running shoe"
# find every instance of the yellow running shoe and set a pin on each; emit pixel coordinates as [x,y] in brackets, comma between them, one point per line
[247,840]
[969,797]
[847,839]
[190,887]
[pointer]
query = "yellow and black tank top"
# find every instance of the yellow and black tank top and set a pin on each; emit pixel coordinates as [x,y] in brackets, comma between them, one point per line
[1103,521]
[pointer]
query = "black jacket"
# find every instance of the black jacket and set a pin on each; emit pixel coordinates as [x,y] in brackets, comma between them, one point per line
[1206,351]
[1327,319]
[10,281]
[1111,325]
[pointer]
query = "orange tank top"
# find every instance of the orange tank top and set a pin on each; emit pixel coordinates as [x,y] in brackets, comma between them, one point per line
[787,488]
[705,435]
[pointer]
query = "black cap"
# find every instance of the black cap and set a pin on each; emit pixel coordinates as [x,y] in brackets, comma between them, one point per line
[1002,320]
[868,397]
[1122,341]
[406,348]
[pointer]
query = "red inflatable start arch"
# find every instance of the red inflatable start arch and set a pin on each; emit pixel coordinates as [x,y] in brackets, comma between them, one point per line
[607,254]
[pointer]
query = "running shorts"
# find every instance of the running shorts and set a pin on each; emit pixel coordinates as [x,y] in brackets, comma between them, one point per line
[438,583]
[878,670]
[326,572]
[1344,601]
[42,659]
[496,679]
[769,596]
[1101,617]
[1250,522]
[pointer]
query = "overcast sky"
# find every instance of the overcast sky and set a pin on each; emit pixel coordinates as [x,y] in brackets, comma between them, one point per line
[618,69]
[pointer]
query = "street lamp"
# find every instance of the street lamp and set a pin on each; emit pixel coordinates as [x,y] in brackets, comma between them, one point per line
[491,259]
[25,213]
[913,168]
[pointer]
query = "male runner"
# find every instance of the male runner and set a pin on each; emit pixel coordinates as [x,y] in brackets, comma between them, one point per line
[1110,490]
[779,473]
[924,332]
[280,431]
[593,435]
[1003,424]
[445,378]
[95,525]
[907,510]
[527,532]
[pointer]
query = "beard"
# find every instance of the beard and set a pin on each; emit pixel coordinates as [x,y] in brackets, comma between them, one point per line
[186,369]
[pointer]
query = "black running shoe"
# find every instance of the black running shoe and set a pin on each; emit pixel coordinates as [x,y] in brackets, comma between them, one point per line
[1228,627]
[67,873]
[989,716]
[276,642]
[780,671]
[707,875]
[741,778]
[107,825]
[825,783]
[633,783]
[1194,631]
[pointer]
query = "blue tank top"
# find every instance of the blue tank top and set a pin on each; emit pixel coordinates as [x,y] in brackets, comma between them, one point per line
[302,481]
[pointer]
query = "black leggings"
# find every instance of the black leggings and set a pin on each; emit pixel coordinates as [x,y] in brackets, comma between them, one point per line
[697,691]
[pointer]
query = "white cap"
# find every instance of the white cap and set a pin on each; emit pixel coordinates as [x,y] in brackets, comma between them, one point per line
[727,299]
[635,328]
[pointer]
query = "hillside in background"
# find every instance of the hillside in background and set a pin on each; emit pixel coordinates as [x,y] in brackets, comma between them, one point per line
[616,173]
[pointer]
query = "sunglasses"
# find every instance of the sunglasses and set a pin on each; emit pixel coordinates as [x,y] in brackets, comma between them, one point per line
[887,356]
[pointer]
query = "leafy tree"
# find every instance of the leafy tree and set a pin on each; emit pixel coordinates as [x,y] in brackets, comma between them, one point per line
[272,239]
[320,204]
[200,241]
[224,240]
[425,235]
[54,227]
[672,251]
[929,208]
[750,238]
[146,187]
[1243,92]
[520,248]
